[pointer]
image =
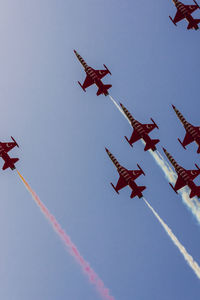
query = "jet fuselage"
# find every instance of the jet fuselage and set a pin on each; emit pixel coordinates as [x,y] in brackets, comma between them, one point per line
[185,12]
[93,75]
[186,176]
[193,131]
[141,131]
[123,172]
[91,72]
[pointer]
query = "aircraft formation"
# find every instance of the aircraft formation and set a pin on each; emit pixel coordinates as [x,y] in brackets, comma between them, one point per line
[141,131]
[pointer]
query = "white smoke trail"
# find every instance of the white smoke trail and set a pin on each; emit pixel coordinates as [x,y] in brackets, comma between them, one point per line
[192,204]
[119,108]
[189,259]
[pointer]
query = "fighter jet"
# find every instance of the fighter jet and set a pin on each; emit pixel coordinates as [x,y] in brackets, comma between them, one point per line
[185,177]
[127,177]
[4,149]
[141,131]
[192,132]
[94,77]
[185,12]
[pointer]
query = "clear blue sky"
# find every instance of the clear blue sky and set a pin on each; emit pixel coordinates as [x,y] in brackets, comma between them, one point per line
[62,132]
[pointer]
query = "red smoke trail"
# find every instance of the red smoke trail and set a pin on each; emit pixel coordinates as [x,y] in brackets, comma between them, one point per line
[93,277]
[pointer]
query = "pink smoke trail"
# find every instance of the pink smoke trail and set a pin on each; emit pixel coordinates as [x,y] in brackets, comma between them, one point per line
[93,277]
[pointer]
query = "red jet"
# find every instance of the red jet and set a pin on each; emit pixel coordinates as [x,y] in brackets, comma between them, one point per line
[185,177]
[94,77]
[141,131]
[185,12]
[192,132]
[4,149]
[127,177]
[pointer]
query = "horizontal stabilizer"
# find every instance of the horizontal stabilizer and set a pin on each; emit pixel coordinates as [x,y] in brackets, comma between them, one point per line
[192,193]
[194,24]
[10,163]
[151,145]
[195,192]
[138,192]
[5,166]
[107,86]
[104,90]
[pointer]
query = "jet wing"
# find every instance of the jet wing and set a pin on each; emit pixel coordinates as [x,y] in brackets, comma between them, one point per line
[191,8]
[88,82]
[178,17]
[135,173]
[135,137]
[193,173]
[148,127]
[101,73]
[7,146]
[121,183]
[187,139]
[180,183]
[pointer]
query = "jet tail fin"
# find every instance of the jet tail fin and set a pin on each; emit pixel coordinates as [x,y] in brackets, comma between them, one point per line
[138,192]
[104,90]
[195,192]
[151,145]
[194,24]
[10,163]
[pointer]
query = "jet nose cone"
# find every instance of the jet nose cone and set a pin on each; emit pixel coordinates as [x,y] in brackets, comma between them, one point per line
[173,106]
[164,149]
[106,149]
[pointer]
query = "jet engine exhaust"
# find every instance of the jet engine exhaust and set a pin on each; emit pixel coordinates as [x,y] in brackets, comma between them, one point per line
[87,270]
[189,259]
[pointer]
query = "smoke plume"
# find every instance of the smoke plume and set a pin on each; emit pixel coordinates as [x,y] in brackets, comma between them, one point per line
[88,271]
[189,259]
